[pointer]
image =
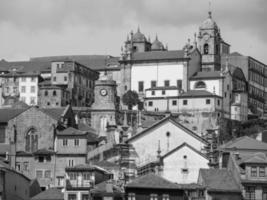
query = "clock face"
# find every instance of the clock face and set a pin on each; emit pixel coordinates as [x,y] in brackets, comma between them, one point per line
[103,92]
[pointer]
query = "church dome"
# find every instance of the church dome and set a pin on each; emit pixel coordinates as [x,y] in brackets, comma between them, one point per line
[138,36]
[209,23]
[157,45]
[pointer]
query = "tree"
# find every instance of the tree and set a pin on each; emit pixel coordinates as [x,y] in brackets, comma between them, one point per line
[130,98]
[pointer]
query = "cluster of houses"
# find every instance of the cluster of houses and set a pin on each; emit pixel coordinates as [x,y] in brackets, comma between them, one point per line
[65,133]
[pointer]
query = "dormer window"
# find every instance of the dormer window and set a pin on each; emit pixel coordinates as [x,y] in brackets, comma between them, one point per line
[200,85]
[206,49]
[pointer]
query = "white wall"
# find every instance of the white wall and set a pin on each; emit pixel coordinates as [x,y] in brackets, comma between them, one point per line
[158,93]
[28,83]
[173,164]
[156,72]
[211,86]
[146,145]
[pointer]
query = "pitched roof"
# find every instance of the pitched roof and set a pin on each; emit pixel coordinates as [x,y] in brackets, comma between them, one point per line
[169,118]
[184,145]
[7,114]
[219,180]
[259,158]
[164,88]
[55,113]
[106,164]
[87,167]
[207,75]
[198,93]
[152,181]
[44,152]
[49,194]
[236,54]
[101,188]
[158,55]
[95,62]
[71,131]
[245,142]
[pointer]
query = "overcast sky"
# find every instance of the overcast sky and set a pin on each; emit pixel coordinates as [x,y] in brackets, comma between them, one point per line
[30,28]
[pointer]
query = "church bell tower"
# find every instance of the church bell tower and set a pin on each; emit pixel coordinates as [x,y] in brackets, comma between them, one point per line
[209,40]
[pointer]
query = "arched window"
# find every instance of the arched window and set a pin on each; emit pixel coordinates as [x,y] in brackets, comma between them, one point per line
[31,140]
[206,48]
[54,93]
[200,84]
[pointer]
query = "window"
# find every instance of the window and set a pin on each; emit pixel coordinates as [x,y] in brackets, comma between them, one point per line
[72,197]
[41,159]
[32,89]
[32,100]
[140,86]
[179,84]
[153,92]
[250,193]
[18,167]
[262,172]
[85,197]
[23,99]
[184,102]
[76,142]
[54,78]
[165,197]
[23,79]
[153,197]
[65,142]
[72,176]
[48,158]
[253,171]
[228,87]
[71,163]
[33,79]
[31,140]
[207,101]
[39,174]
[48,103]
[163,92]
[166,83]
[47,174]
[225,94]
[264,193]
[218,102]
[46,93]
[65,78]
[153,84]
[86,176]
[206,48]
[23,89]
[26,166]
[131,196]
[150,103]
[174,102]
[54,93]
[200,84]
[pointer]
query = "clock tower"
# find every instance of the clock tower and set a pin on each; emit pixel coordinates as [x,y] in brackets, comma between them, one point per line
[104,108]
[209,40]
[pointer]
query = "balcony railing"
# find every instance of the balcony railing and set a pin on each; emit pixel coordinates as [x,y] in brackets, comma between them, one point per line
[78,184]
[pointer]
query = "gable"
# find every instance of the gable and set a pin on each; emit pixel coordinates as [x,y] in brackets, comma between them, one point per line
[167,134]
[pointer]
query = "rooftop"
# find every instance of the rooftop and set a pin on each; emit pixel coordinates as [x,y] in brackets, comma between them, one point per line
[197,93]
[245,143]
[71,131]
[7,114]
[49,194]
[152,181]
[206,75]
[158,55]
[218,180]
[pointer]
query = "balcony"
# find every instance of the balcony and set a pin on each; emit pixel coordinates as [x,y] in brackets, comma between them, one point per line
[75,184]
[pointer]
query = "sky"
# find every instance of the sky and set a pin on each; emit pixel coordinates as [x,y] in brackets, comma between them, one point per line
[31,28]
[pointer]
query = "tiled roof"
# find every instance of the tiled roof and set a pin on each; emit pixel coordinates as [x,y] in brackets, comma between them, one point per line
[44,152]
[152,181]
[71,131]
[158,55]
[219,180]
[101,188]
[164,88]
[236,54]
[245,142]
[95,62]
[49,194]
[26,66]
[207,75]
[7,114]
[197,93]
[55,113]
[86,167]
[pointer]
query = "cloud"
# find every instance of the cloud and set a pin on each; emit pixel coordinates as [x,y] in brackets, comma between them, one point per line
[49,27]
